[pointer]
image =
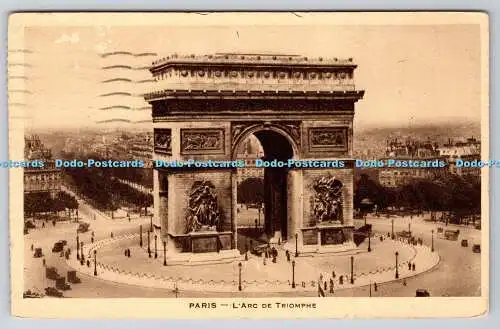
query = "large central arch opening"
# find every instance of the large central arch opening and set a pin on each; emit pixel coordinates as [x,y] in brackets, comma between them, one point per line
[262,192]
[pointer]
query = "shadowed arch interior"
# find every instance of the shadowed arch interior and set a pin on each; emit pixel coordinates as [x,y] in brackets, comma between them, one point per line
[276,147]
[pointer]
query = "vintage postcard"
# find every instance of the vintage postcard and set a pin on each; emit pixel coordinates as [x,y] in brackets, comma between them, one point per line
[249,165]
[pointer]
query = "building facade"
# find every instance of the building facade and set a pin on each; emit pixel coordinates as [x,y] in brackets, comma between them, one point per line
[40,179]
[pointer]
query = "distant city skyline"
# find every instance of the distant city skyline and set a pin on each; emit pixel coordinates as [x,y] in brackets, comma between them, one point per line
[412,74]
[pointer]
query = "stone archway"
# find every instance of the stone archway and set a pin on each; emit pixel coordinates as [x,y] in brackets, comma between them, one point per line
[298,107]
[277,145]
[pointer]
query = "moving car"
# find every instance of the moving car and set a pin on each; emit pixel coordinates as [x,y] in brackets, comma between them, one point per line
[422,293]
[83,227]
[58,247]
[476,248]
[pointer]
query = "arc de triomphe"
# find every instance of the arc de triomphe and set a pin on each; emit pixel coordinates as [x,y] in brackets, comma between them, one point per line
[299,108]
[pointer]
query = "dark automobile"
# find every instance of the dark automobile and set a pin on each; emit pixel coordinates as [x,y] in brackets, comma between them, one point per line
[83,227]
[58,247]
[38,253]
[31,294]
[50,291]
[259,250]
[422,293]
[29,224]
[465,243]
[64,242]
[476,248]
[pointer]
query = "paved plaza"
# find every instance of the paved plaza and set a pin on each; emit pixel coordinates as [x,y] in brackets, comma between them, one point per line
[451,270]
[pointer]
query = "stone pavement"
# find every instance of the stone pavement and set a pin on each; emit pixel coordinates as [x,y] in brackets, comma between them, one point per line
[226,279]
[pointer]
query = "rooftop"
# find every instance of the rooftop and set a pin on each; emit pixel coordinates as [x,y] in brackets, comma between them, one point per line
[252,58]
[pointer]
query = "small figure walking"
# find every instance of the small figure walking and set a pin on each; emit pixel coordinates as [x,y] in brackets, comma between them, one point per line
[331,285]
[409,266]
[413,267]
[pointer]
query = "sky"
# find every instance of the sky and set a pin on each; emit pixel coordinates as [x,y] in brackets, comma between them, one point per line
[410,74]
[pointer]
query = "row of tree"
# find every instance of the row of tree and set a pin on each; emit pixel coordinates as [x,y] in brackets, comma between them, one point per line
[44,202]
[104,191]
[458,196]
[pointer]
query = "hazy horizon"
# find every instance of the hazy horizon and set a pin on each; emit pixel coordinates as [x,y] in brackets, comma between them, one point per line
[411,74]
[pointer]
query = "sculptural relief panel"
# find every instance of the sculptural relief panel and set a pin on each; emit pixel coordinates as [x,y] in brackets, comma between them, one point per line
[202,141]
[328,139]
[163,141]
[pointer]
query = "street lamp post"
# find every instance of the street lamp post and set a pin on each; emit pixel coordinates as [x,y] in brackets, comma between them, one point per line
[296,244]
[369,242]
[140,236]
[164,253]
[397,270]
[432,240]
[392,228]
[77,246]
[82,256]
[352,269]
[239,284]
[293,273]
[149,245]
[156,247]
[95,262]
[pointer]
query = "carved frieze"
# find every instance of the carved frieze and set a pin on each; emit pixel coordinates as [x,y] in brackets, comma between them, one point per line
[163,141]
[328,139]
[202,141]
[328,200]
[203,212]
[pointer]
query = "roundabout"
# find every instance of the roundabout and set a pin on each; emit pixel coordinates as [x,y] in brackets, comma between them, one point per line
[256,274]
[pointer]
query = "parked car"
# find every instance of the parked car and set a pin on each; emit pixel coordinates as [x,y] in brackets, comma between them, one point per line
[422,293]
[64,242]
[476,248]
[465,243]
[31,294]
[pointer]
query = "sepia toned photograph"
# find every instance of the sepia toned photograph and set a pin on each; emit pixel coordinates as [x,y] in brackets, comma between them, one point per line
[256,165]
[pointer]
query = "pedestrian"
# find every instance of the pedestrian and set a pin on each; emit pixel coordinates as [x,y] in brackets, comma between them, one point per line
[287,256]
[331,285]
[111,235]
[341,279]
[375,287]
[409,266]
[413,267]
[88,263]
[126,253]
[43,224]
[264,260]
[326,286]
[43,262]
[92,239]
[321,292]
[32,247]
[404,282]
[333,274]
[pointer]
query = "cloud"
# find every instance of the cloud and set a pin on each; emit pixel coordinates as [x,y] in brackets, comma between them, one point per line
[65,38]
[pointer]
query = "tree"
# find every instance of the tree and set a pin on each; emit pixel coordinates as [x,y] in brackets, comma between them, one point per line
[251,190]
